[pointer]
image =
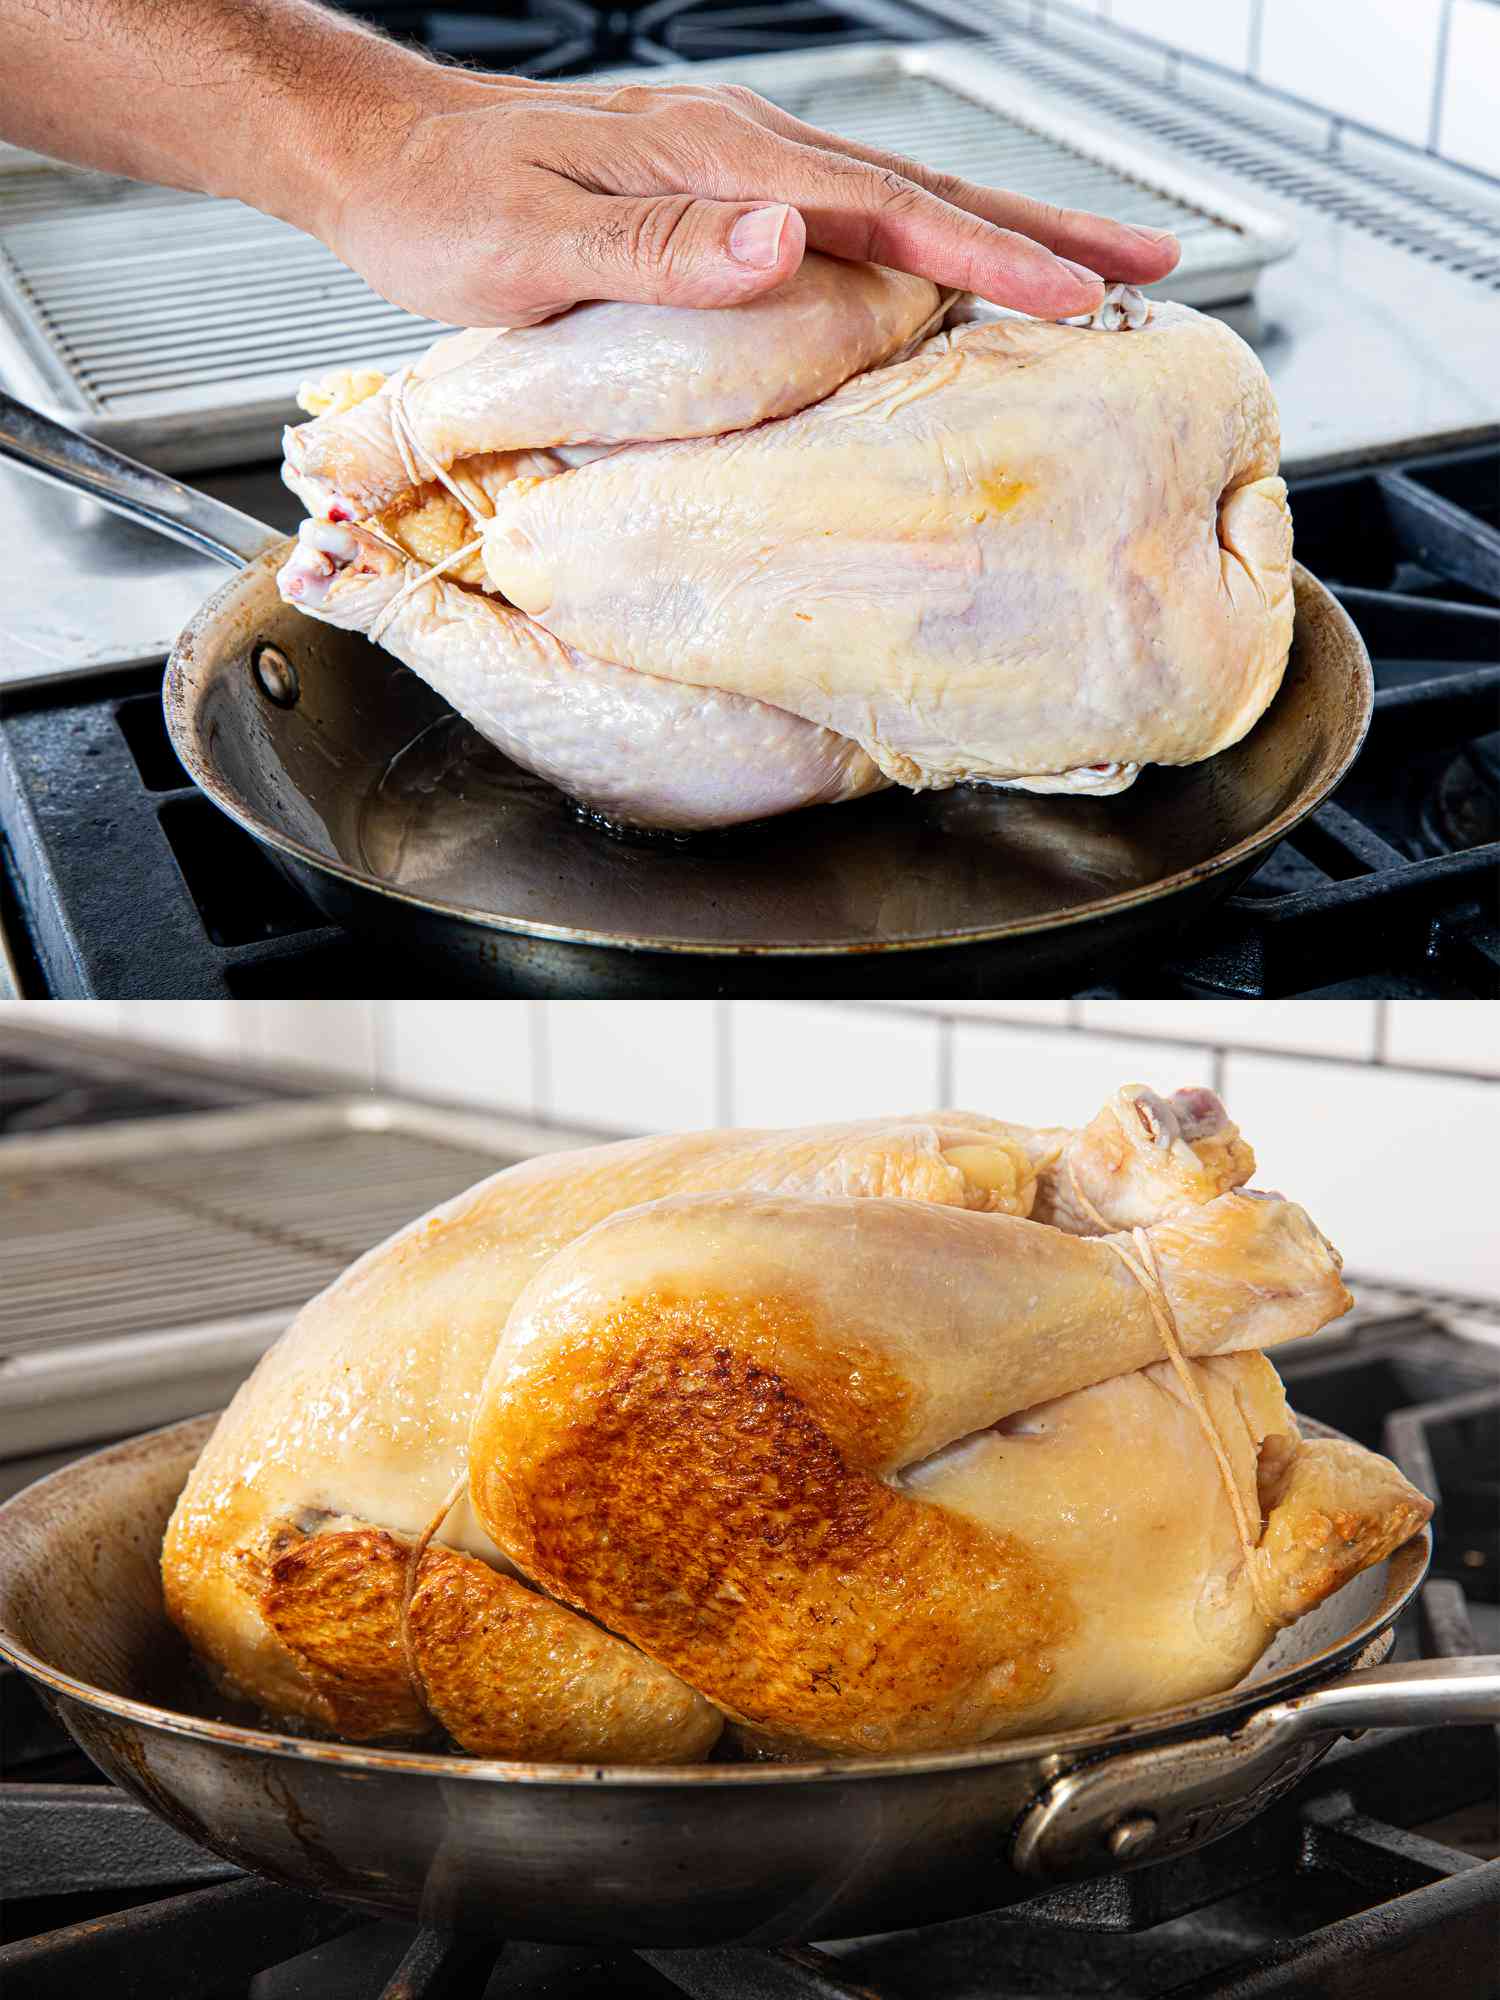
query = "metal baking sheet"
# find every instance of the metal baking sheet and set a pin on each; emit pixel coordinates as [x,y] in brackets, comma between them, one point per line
[178,327]
[148,1264]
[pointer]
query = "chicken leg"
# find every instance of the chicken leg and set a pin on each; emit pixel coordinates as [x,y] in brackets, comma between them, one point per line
[610,373]
[873,1477]
[633,748]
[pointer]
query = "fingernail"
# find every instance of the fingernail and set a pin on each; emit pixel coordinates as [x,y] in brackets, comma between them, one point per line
[1081,272]
[756,238]
[1151,235]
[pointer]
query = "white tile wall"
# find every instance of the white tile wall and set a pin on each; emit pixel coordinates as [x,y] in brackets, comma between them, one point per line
[471,1052]
[1219,32]
[1381,1117]
[1372,60]
[1051,1079]
[630,1065]
[1010,1010]
[1379,62]
[318,1034]
[1396,1168]
[803,1065]
[1445,1034]
[1470,128]
[1336,1027]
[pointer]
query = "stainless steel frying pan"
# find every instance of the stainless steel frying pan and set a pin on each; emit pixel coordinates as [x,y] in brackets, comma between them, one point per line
[702,1854]
[396,818]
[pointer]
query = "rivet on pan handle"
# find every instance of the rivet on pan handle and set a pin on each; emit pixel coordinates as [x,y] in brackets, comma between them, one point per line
[1147,1805]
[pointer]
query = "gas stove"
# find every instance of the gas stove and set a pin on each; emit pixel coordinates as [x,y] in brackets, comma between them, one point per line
[119,879]
[1377,1877]
[558,38]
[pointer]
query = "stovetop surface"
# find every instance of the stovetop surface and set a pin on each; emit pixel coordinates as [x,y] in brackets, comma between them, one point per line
[117,878]
[1377,1877]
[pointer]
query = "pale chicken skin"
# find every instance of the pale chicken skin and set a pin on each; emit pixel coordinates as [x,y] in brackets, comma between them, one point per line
[1024,551]
[1011,553]
[611,373]
[637,749]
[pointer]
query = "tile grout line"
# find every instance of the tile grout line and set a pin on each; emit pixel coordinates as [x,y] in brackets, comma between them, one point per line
[1382,1049]
[1182,1038]
[723,1062]
[540,1052]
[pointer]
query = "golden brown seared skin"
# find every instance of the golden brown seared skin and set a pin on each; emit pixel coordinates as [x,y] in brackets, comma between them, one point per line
[502,1669]
[1332,1509]
[508,1673]
[342,1445]
[334,1602]
[719,1507]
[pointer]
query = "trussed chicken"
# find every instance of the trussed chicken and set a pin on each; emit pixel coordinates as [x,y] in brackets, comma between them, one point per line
[865,549]
[824,1434]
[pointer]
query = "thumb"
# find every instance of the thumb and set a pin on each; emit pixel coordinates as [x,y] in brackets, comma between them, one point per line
[675,250]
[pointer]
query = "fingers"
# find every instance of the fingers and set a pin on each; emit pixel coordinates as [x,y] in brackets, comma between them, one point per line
[1116,250]
[855,210]
[671,250]
[850,207]
[726,149]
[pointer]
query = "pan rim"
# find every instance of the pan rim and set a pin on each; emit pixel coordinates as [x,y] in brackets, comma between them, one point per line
[179,712]
[1208,1714]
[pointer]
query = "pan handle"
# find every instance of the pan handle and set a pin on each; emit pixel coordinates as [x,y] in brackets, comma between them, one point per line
[63,457]
[1147,1805]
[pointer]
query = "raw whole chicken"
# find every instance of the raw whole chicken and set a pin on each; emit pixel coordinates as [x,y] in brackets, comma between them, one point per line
[907,1434]
[697,568]
[702,567]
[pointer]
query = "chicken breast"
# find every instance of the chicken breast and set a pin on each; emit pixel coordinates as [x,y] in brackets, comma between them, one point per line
[1024,552]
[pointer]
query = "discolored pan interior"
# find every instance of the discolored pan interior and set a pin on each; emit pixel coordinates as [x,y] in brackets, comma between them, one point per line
[355,772]
[709,1853]
[80,1597]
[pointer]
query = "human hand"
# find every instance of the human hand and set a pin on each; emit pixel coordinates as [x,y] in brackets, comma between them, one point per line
[502,202]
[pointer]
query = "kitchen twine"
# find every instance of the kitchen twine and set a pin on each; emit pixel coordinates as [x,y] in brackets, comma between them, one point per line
[409,1584]
[412,449]
[1144,1269]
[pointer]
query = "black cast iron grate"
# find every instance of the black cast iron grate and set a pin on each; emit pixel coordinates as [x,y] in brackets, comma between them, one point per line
[118,879]
[1378,1873]
[558,38]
